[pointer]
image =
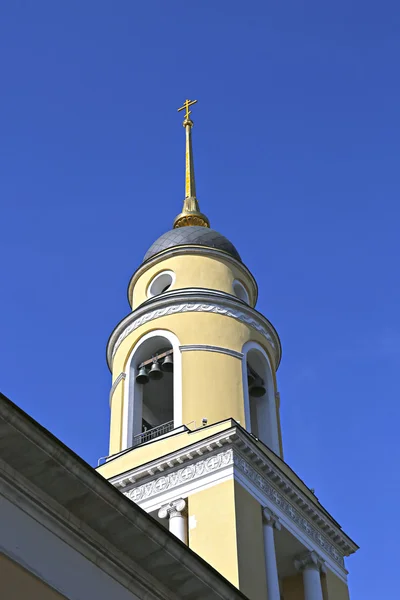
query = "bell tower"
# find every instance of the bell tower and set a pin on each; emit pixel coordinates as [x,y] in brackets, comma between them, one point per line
[195,436]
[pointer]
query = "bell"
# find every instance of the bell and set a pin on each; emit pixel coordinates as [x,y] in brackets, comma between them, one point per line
[257,389]
[250,378]
[168,364]
[155,371]
[142,377]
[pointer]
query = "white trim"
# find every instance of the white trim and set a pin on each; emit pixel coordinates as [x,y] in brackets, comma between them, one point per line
[218,467]
[190,250]
[153,282]
[240,290]
[264,474]
[286,522]
[132,389]
[273,441]
[208,348]
[114,386]
[193,300]
[186,490]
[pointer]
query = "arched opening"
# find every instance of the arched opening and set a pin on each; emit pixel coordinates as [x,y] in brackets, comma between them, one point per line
[259,396]
[152,398]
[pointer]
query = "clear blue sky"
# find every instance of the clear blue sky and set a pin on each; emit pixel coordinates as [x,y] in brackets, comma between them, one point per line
[297,158]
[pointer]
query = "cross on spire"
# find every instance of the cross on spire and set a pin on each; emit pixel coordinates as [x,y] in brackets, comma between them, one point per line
[185,107]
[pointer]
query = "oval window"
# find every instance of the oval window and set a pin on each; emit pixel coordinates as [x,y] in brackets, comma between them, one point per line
[161,283]
[240,291]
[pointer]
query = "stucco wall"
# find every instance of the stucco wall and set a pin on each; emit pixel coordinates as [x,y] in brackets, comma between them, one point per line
[192,271]
[292,587]
[250,542]
[334,588]
[225,528]
[212,382]
[212,528]
[52,561]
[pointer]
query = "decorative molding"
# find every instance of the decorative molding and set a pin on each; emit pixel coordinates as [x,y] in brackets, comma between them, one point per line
[172,509]
[193,300]
[279,500]
[114,386]
[176,478]
[310,560]
[251,462]
[196,250]
[206,348]
[270,518]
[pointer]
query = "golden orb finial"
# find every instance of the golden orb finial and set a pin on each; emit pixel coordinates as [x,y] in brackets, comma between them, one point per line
[190,214]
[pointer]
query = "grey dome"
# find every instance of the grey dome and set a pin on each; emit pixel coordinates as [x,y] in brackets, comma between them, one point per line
[195,236]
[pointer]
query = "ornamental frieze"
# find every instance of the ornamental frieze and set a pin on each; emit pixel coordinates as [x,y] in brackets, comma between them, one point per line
[219,461]
[184,475]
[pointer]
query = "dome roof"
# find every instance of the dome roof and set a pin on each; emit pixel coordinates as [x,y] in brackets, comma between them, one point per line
[192,236]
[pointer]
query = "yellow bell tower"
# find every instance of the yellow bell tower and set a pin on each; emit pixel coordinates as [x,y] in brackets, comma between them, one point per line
[195,435]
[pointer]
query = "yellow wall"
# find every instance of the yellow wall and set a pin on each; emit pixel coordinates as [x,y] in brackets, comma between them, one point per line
[334,588]
[211,382]
[292,587]
[214,537]
[212,387]
[195,328]
[191,271]
[250,544]
[228,535]
[16,583]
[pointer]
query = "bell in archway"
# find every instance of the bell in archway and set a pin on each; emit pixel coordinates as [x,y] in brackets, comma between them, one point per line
[168,364]
[250,378]
[142,377]
[258,388]
[155,372]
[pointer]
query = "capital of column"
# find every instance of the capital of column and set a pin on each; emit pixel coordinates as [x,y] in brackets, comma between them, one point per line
[270,518]
[310,560]
[173,509]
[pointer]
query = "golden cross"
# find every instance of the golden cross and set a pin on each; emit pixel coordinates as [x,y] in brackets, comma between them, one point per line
[185,106]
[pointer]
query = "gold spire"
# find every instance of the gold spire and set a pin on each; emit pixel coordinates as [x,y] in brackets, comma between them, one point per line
[190,214]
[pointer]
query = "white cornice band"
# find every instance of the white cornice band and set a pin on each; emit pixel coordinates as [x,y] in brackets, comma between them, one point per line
[233,448]
[193,300]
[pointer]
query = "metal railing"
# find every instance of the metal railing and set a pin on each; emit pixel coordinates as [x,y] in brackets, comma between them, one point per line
[142,438]
[153,433]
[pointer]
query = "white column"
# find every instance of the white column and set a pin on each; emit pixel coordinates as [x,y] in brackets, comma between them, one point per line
[174,511]
[311,565]
[271,522]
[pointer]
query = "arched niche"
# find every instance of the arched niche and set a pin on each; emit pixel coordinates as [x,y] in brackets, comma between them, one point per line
[260,412]
[157,402]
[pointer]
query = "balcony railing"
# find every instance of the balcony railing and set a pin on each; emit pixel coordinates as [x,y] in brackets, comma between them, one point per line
[146,436]
[153,433]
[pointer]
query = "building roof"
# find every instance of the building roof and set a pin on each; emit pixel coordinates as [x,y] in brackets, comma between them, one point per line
[120,531]
[192,236]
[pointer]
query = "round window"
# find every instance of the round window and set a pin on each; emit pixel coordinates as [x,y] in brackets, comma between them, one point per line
[240,291]
[161,283]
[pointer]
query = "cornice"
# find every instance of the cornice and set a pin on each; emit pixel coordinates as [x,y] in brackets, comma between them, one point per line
[58,500]
[191,249]
[77,534]
[233,447]
[193,300]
